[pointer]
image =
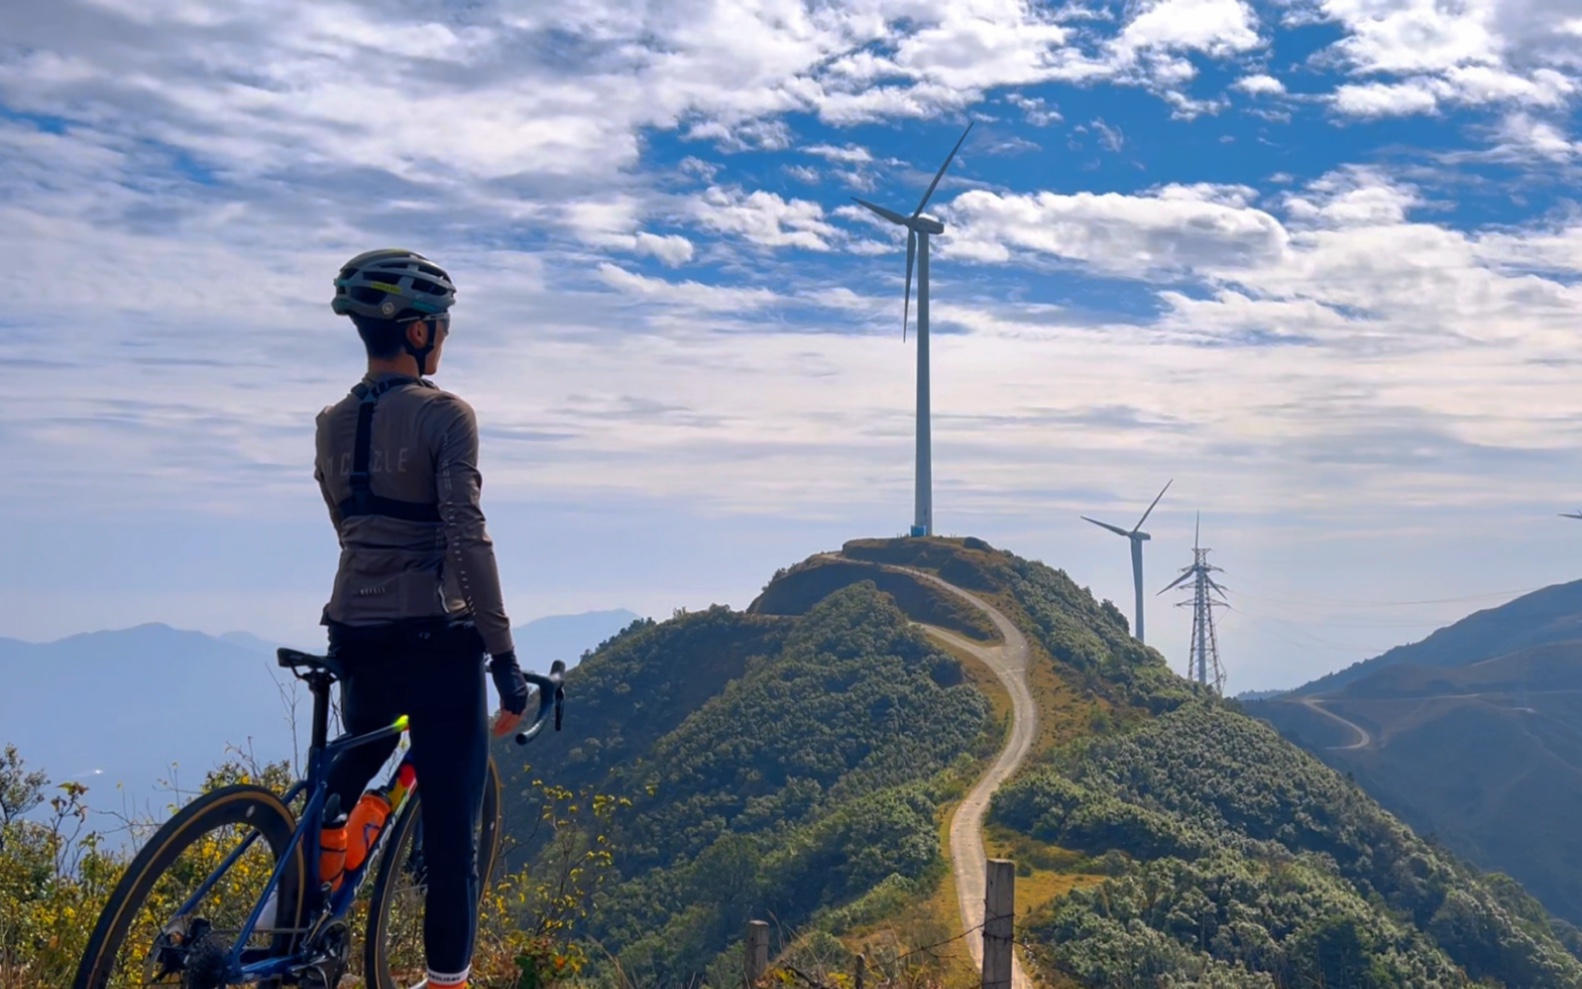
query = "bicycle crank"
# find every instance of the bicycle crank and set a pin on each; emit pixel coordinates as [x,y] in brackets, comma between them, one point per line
[332,952]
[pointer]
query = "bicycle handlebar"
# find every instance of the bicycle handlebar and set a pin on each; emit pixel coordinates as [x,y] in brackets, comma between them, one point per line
[550,694]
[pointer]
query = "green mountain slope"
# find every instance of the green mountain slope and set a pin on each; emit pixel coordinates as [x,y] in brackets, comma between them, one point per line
[1236,859]
[776,765]
[1486,756]
[793,762]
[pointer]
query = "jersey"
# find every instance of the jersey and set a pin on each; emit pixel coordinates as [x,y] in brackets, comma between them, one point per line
[423,550]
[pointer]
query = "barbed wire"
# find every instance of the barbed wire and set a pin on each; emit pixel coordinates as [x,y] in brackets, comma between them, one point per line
[929,948]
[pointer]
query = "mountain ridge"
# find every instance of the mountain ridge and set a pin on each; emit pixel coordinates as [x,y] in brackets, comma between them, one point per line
[1549,614]
[120,706]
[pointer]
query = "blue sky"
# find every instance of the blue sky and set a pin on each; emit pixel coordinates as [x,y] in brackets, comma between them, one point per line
[1316,260]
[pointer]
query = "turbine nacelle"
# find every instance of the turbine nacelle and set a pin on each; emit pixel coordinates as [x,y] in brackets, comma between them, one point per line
[919,223]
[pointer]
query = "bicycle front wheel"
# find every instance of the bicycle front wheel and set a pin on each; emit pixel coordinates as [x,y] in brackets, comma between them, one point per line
[393,955]
[144,938]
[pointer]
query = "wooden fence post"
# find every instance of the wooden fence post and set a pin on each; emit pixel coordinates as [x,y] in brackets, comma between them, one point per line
[757,951]
[999,908]
[862,968]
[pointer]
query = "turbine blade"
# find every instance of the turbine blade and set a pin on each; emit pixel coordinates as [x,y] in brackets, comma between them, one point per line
[1177,582]
[940,174]
[1161,494]
[1197,528]
[906,308]
[1113,528]
[888,214]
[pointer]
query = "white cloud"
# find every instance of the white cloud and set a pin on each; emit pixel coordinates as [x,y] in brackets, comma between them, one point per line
[1479,84]
[851,154]
[1411,36]
[751,135]
[1216,27]
[1110,136]
[1523,135]
[1260,85]
[1176,228]
[1477,52]
[1377,99]
[869,247]
[1352,197]
[764,218]
[613,223]
[686,295]
[705,170]
[1034,110]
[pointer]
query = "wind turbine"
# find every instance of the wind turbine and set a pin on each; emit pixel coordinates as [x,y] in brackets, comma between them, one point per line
[1138,537]
[918,228]
[1568,515]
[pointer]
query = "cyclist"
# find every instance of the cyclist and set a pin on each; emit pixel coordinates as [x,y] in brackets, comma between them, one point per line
[416,603]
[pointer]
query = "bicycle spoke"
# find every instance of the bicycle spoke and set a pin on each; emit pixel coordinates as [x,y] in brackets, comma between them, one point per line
[404,920]
[162,945]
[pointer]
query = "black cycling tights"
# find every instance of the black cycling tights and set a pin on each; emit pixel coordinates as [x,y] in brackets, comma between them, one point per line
[435,676]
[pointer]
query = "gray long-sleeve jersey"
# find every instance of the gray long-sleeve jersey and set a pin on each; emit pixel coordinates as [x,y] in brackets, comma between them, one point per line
[423,449]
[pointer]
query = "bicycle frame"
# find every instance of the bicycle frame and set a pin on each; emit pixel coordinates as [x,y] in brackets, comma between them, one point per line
[321,754]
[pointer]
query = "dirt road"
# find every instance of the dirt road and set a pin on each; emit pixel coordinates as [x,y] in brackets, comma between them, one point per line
[967,856]
[1364,739]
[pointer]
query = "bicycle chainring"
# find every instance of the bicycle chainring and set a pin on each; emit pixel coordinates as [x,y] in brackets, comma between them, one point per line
[332,951]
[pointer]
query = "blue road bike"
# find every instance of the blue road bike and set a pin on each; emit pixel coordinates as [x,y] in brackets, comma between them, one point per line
[188,911]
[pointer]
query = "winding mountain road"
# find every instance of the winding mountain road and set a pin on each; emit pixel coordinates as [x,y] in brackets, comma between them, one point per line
[1364,738]
[967,856]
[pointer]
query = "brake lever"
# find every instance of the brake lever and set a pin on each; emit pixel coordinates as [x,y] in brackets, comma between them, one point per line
[557,669]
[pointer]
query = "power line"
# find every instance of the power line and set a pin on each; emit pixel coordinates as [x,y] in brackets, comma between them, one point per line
[1340,602]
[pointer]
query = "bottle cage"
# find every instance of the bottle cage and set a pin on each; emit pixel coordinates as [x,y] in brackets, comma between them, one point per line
[362,500]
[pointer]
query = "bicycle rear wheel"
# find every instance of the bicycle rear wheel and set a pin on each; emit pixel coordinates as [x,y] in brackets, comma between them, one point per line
[393,956]
[140,940]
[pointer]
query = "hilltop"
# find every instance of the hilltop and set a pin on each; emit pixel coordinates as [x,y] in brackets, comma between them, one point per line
[799,760]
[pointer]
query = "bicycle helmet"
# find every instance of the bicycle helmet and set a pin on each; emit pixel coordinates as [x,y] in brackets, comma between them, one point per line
[381,284]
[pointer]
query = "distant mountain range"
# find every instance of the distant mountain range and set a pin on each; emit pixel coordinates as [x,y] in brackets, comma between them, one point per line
[1552,614]
[1473,735]
[121,706]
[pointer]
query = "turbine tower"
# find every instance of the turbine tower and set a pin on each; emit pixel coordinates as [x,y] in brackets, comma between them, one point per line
[918,228]
[1138,537]
[1203,660]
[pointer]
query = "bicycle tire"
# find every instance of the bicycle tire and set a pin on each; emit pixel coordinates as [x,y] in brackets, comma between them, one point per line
[239,804]
[376,962]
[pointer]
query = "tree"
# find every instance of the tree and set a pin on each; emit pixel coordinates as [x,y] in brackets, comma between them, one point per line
[20,790]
